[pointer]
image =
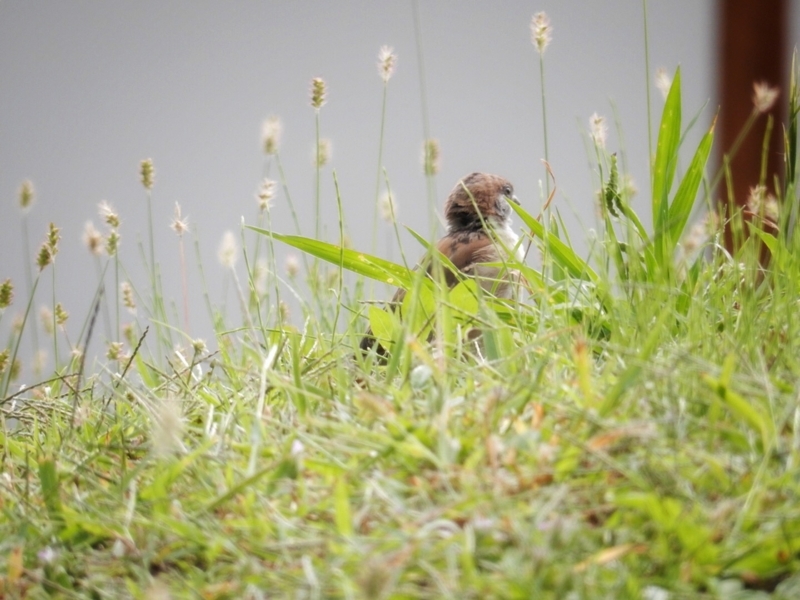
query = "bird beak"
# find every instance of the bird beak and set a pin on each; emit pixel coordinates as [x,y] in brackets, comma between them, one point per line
[514,199]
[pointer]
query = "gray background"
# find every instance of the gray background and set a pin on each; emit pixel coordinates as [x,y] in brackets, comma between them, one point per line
[88,89]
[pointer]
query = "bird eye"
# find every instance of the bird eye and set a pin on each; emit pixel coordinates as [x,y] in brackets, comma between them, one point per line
[507,191]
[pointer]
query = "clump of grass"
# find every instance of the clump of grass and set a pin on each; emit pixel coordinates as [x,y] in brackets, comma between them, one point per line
[628,429]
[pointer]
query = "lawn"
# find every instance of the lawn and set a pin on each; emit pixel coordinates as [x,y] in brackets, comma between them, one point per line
[628,428]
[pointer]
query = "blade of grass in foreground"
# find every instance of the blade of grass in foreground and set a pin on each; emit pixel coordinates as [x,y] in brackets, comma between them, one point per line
[352,260]
[564,256]
[669,135]
[682,204]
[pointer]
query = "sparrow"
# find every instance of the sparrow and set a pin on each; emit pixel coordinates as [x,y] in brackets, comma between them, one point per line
[479,231]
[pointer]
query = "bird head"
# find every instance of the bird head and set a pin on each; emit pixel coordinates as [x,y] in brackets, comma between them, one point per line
[489,194]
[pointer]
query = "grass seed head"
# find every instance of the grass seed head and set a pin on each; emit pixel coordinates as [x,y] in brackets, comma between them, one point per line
[266,192]
[92,239]
[147,173]
[599,130]
[112,242]
[387,60]
[541,32]
[61,315]
[228,250]
[128,299]
[764,96]
[167,428]
[53,237]
[431,156]
[6,294]
[663,81]
[284,312]
[114,351]
[271,135]
[26,195]
[45,256]
[129,334]
[199,346]
[318,93]
[179,225]
[387,207]
[292,266]
[46,319]
[108,215]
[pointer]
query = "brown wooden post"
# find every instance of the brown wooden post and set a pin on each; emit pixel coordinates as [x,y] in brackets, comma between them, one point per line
[752,36]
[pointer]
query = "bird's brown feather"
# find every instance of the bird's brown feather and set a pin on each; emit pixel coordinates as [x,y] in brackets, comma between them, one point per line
[467,244]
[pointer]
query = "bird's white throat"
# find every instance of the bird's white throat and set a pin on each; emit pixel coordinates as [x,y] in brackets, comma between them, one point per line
[507,237]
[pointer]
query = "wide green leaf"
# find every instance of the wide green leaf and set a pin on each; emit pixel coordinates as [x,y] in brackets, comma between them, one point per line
[383,324]
[564,256]
[682,204]
[666,158]
[464,298]
[352,260]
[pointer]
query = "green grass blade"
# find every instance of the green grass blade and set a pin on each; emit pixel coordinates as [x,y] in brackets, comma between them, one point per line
[48,479]
[342,511]
[352,260]
[564,256]
[682,204]
[666,159]
[383,325]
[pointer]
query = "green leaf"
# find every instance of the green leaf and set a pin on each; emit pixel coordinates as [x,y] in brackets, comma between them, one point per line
[682,204]
[770,241]
[561,252]
[666,159]
[383,324]
[634,370]
[419,306]
[464,297]
[342,513]
[48,479]
[357,262]
[747,412]
[499,343]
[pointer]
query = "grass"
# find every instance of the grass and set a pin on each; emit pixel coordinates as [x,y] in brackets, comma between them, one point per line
[629,429]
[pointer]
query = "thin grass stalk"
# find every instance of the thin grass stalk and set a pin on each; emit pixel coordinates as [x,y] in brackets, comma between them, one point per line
[647,89]
[153,285]
[285,187]
[100,270]
[544,121]
[731,154]
[239,293]
[55,325]
[206,297]
[184,284]
[116,294]
[317,183]
[159,311]
[274,272]
[249,269]
[18,338]
[380,169]
[341,256]
[149,195]
[431,186]
[265,175]
[394,222]
[28,275]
